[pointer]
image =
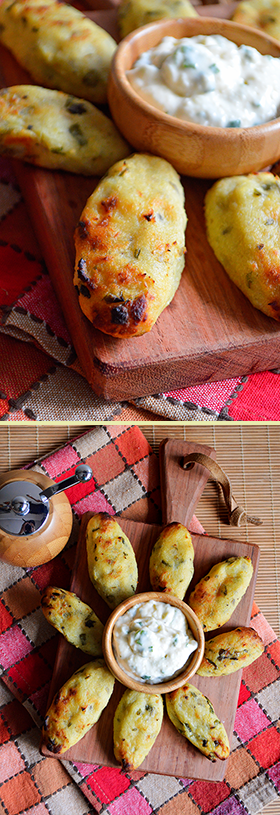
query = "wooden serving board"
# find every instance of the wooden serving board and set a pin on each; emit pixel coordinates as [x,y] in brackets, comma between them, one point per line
[210,331]
[171,753]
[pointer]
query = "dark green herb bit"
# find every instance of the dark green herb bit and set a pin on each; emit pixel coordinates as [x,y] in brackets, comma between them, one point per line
[75,107]
[91,78]
[89,623]
[234,123]
[247,53]
[214,68]
[211,662]
[137,253]
[78,134]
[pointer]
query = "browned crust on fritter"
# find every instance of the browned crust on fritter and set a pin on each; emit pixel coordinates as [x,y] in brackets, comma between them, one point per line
[230,651]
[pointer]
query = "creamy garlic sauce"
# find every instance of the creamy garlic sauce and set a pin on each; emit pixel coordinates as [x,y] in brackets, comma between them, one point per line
[209,80]
[152,641]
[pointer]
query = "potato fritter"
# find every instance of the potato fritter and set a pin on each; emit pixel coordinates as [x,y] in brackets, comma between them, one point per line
[216,596]
[243,228]
[59,46]
[263,14]
[57,131]
[111,560]
[137,723]
[74,619]
[230,651]
[130,245]
[171,562]
[135,13]
[77,706]
[194,717]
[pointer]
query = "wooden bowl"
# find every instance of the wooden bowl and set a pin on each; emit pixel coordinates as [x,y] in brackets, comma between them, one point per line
[193,149]
[170,684]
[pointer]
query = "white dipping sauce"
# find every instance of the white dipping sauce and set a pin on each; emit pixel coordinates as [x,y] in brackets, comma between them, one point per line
[152,641]
[209,80]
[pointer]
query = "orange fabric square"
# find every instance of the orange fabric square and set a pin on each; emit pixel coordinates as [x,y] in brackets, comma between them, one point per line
[22,598]
[106,464]
[261,673]
[27,368]
[132,445]
[266,747]
[50,776]
[19,793]
[241,767]
[182,805]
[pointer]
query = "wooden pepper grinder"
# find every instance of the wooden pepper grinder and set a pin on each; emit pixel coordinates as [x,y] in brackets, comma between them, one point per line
[35,515]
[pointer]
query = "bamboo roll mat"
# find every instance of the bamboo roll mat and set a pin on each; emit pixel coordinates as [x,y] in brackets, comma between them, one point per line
[250,456]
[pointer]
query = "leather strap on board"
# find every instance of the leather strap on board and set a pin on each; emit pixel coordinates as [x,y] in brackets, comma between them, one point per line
[236,514]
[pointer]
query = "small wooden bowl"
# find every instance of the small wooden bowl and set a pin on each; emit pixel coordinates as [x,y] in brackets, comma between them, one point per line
[193,149]
[170,684]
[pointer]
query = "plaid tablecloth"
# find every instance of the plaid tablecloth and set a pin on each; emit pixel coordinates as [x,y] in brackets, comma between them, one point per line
[126,480]
[40,377]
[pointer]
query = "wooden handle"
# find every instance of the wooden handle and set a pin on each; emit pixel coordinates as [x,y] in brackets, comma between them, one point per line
[181,489]
[236,513]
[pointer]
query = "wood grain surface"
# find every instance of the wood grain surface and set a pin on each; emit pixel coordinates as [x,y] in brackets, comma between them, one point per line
[171,753]
[43,545]
[210,331]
